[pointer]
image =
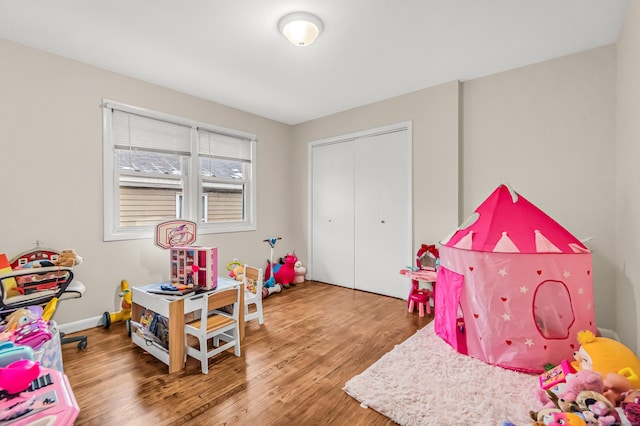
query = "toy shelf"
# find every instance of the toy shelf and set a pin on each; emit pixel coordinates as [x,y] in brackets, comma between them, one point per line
[152,347]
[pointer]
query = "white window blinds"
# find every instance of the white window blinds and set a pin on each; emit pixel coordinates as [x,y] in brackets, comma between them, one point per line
[221,146]
[131,131]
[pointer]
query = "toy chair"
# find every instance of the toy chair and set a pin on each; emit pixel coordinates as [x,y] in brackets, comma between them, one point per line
[215,324]
[421,296]
[252,281]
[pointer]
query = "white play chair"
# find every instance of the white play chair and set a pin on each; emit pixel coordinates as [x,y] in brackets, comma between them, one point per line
[215,324]
[255,275]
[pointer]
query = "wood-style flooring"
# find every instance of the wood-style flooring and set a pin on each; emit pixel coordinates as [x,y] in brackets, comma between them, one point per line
[292,369]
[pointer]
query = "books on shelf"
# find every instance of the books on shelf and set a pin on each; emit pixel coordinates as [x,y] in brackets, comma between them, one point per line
[153,327]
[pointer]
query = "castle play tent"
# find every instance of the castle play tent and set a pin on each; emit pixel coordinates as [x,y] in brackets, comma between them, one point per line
[514,287]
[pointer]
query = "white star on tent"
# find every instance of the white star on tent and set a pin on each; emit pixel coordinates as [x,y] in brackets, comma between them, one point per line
[502,272]
[506,317]
[566,274]
[529,342]
[524,289]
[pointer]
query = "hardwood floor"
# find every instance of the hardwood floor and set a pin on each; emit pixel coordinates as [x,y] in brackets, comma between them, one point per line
[291,372]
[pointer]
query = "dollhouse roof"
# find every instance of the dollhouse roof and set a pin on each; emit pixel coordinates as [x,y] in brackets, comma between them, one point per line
[506,222]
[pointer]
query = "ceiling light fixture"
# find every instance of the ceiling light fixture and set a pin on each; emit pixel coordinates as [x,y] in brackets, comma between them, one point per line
[300,28]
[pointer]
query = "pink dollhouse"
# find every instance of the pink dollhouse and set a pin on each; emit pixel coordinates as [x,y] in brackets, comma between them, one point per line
[195,265]
[514,287]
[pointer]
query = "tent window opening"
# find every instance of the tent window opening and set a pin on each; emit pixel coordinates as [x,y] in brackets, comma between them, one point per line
[552,310]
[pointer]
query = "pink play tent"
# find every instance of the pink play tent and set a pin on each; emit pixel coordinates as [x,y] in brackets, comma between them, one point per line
[514,287]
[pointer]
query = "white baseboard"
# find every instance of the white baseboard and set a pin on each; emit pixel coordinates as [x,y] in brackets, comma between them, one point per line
[85,324]
[611,334]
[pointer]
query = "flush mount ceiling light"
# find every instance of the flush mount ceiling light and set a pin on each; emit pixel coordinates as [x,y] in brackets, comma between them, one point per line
[300,28]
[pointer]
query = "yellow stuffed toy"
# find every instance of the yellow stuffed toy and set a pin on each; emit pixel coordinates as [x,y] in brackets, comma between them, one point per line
[606,356]
[236,269]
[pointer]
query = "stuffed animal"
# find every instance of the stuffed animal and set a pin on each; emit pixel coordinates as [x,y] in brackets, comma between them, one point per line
[237,272]
[606,355]
[543,416]
[285,274]
[568,391]
[615,385]
[299,272]
[596,407]
[631,406]
[68,257]
[566,419]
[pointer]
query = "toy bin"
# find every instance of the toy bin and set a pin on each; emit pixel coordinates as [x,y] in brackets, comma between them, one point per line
[50,353]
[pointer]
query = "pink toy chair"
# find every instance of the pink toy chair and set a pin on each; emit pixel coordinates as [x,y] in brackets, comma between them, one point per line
[421,296]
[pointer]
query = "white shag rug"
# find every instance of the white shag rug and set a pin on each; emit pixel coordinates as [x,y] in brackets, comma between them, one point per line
[424,381]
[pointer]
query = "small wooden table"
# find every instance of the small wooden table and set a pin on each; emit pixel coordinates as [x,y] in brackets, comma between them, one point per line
[174,308]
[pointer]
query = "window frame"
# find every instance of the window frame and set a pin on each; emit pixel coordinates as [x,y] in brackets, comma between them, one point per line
[193,190]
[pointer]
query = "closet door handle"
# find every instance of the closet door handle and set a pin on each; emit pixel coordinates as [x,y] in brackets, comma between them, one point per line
[382,221]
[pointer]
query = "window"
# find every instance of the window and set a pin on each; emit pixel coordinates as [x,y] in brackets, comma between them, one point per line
[159,167]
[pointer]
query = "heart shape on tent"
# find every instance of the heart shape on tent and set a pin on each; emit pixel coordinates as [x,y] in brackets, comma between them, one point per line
[504,299]
[471,268]
[475,316]
[539,271]
[508,342]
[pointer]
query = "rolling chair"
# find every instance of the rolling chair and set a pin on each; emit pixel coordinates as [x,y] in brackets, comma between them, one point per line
[31,278]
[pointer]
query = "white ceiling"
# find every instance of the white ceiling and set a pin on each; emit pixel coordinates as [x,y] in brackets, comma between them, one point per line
[230,52]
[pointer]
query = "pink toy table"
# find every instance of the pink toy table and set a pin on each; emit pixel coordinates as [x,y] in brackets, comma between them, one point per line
[423,275]
[417,295]
[51,404]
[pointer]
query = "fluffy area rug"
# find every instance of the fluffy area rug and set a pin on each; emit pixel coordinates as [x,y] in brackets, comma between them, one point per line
[423,381]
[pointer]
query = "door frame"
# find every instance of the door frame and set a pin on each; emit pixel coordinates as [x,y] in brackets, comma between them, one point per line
[395,127]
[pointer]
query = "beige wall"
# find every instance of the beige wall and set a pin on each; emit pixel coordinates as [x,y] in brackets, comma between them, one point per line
[51,170]
[627,254]
[434,116]
[548,129]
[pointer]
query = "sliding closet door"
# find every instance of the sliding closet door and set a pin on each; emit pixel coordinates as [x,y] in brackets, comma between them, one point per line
[383,228]
[332,213]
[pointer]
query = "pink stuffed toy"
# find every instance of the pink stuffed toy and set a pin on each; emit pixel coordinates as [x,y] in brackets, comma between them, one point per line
[574,384]
[286,273]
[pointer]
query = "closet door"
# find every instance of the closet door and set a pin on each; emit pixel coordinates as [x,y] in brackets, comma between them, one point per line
[332,213]
[383,228]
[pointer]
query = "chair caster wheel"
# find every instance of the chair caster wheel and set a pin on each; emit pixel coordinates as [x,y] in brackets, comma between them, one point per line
[106,320]
[82,344]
